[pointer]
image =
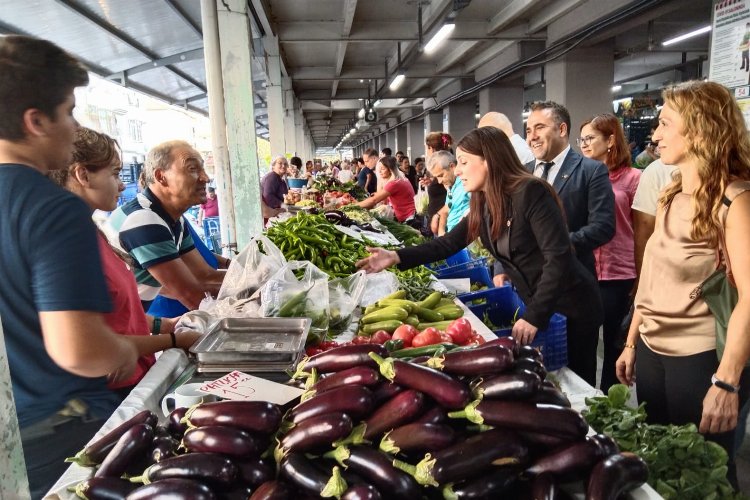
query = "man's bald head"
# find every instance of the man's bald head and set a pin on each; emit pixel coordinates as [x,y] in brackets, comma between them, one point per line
[498,120]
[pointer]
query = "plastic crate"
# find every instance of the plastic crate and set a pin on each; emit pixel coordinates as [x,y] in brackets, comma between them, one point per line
[211,227]
[503,306]
[459,258]
[296,183]
[477,272]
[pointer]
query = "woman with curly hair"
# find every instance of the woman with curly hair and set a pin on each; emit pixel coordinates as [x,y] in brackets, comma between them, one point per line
[602,139]
[672,344]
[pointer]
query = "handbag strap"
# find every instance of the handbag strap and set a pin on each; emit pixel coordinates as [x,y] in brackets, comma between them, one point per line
[732,191]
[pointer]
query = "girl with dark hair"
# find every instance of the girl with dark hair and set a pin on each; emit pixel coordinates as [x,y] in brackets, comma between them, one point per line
[437,141]
[396,190]
[602,139]
[519,220]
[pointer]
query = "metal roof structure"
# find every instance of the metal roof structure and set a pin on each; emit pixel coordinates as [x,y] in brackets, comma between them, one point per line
[343,54]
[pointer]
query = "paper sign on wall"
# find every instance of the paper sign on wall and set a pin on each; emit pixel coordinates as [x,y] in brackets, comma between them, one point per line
[240,386]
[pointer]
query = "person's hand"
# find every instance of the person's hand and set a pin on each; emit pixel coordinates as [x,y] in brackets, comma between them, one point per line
[720,410]
[186,338]
[625,366]
[500,280]
[524,332]
[378,260]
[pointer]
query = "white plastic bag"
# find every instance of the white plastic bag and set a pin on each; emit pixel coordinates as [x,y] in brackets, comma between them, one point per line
[344,295]
[251,269]
[421,202]
[377,286]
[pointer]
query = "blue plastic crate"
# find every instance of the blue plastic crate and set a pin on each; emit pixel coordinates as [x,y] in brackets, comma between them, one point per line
[476,271]
[459,258]
[504,306]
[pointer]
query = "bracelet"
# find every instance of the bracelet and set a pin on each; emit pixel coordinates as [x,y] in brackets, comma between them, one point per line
[174,339]
[734,389]
[629,346]
[156,326]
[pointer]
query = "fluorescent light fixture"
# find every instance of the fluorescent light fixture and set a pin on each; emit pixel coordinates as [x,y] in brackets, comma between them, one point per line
[616,88]
[377,103]
[397,81]
[361,113]
[439,37]
[353,130]
[477,116]
[699,31]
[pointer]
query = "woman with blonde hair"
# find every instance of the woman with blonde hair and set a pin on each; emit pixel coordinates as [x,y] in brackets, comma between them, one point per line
[704,215]
[602,139]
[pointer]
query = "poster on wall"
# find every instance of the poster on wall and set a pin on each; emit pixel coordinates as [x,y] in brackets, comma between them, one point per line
[730,43]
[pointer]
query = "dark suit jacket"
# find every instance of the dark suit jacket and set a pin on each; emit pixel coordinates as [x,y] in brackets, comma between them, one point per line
[585,190]
[535,251]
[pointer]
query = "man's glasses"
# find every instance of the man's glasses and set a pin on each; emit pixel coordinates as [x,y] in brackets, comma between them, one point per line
[585,141]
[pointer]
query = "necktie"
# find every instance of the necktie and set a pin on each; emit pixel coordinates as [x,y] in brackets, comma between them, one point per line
[547,166]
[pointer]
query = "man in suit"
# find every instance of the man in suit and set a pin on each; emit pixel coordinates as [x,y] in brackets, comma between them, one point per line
[581,183]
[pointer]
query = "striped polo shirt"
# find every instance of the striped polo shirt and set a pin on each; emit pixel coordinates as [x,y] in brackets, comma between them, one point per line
[144,229]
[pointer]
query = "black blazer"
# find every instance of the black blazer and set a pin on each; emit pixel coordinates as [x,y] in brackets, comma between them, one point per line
[585,190]
[535,251]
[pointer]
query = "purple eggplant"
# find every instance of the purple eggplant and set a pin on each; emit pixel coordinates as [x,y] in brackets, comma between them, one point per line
[472,362]
[377,469]
[175,424]
[104,488]
[273,490]
[95,453]
[544,487]
[435,415]
[238,491]
[444,389]
[317,433]
[575,460]
[164,447]
[254,471]
[508,386]
[253,416]
[359,375]
[225,440]
[615,475]
[543,443]
[355,400]
[361,492]
[208,467]
[130,447]
[384,392]
[173,489]
[341,358]
[400,410]
[473,457]
[550,395]
[531,365]
[415,437]
[299,471]
[522,416]
[491,485]
[508,342]
[527,351]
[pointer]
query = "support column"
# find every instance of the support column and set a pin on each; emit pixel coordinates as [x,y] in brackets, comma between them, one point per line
[582,82]
[290,136]
[390,140]
[215,86]
[402,143]
[274,94]
[415,138]
[299,130]
[236,63]
[433,122]
[459,118]
[506,99]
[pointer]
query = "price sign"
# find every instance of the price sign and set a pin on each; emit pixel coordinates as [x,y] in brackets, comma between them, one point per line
[240,386]
[740,92]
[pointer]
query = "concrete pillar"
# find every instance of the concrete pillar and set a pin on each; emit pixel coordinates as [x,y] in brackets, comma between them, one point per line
[415,138]
[275,96]
[290,136]
[236,62]
[582,82]
[459,118]
[401,143]
[299,130]
[506,99]
[433,122]
[390,140]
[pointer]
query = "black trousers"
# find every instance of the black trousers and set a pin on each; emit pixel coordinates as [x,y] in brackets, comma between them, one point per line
[673,388]
[583,336]
[616,302]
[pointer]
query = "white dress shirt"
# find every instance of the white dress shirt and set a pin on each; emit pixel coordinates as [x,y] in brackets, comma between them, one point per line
[558,161]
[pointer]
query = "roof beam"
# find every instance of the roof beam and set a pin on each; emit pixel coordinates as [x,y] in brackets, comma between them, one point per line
[177,8]
[510,13]
[125,38]
[555,11]
[349,8]
[189,55]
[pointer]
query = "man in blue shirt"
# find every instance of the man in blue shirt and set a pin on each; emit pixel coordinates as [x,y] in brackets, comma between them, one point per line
[53,292]
[442,165]
[366,177]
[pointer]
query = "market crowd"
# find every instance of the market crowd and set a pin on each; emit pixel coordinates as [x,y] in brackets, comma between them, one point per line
[84,308]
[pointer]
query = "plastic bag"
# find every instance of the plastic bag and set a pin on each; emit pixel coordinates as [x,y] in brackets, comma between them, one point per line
[287,296]
[251,269]
[344,295]
[421,202]
[377,286]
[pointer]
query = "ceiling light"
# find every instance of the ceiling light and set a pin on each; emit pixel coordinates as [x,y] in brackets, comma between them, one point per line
[377,103]
[361,113]
[353,130]
[361,80]
[441,35]
[397,81]
[699,31]
[616,88]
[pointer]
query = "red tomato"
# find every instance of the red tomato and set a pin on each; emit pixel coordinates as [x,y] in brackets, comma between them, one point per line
[405,333]
[361,339]
[477,339]
[428,337]
[460,331]
[380,337]
[313,350]
[444,337]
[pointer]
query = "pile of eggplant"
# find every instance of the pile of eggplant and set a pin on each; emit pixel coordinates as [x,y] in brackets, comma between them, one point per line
[472,423]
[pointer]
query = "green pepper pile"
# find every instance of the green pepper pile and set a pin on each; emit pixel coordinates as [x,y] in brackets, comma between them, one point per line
[404,233]
[417,282]
[311,237]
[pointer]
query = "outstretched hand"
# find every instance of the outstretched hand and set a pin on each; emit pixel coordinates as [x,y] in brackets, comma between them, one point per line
[378,260]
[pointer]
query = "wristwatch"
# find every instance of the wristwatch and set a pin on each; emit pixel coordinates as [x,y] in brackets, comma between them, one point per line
[734,389]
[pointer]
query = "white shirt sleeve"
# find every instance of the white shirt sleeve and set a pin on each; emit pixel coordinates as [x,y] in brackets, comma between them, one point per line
[653,179]
[523,151]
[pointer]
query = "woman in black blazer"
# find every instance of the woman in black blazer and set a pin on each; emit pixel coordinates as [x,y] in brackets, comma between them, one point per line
[519,220]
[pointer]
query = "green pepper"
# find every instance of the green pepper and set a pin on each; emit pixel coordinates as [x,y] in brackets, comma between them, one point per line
[428,350]
[394,345]
[291,305]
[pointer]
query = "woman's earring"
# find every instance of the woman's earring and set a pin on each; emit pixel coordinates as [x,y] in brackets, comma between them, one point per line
[609,149]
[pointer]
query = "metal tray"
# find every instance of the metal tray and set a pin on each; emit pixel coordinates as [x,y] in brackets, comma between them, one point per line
[246,340]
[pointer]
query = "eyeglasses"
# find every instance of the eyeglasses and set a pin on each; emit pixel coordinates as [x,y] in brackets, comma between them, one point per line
[585,141]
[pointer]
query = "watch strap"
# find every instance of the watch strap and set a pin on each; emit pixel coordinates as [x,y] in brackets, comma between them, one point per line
[724,385]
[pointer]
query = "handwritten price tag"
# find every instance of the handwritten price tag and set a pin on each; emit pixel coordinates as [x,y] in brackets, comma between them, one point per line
[240,386]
